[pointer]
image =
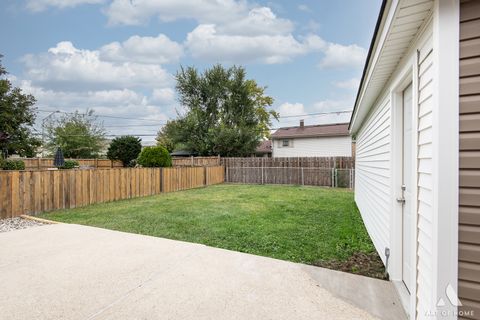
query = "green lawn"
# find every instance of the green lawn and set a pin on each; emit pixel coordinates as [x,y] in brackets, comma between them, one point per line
[303,224]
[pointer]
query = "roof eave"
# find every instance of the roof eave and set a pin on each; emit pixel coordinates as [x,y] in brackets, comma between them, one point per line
[310,136]
[373,43]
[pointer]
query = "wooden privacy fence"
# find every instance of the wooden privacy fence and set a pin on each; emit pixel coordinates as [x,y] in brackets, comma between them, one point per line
[291,162]
[33,192]
[196,161]
[329,177]
[44,163]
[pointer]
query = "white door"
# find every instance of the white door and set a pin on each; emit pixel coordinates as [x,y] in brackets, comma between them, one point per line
[407,188]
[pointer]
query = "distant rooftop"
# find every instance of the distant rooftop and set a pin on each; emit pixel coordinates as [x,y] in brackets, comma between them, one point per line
[265,147]
[323,130]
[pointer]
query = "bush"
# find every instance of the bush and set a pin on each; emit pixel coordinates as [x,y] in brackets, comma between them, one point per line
[13,165]
[154,157]
[125,148]
[69,164]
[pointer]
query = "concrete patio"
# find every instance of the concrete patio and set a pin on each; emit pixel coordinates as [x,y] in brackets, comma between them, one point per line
[67,271]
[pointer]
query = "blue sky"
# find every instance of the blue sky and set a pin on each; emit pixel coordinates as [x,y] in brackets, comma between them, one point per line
[119,56]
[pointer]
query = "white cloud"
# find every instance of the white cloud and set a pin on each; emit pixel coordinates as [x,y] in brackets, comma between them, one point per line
[304,7]
[291,109]
[337,55]
[68,68]
[163,96]
[258,21]
[351,84]
[137,12]
[40,5]
[205,43]
[138,49]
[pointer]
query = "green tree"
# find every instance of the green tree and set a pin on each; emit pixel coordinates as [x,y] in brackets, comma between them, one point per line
[79,135]
[17,116]
[225,113]
[167,136]
[155,157]
[124,148]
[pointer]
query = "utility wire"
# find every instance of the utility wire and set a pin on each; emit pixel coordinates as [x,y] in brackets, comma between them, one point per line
[316,114]
[102,116]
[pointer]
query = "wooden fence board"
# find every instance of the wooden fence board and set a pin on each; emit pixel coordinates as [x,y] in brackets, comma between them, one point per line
[33,192]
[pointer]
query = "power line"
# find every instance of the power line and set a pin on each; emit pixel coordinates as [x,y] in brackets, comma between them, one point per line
[103,116]
[316,114]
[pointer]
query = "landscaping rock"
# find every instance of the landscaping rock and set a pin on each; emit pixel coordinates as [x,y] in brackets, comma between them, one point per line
[17,223]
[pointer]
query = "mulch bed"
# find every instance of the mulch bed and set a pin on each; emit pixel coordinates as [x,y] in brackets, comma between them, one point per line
[369,265]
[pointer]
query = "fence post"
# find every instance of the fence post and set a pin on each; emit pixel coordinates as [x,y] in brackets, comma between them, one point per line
[161,180]
[336,177]
[192,161]
[205,178]
[303,179]
[262,175]
[333,178]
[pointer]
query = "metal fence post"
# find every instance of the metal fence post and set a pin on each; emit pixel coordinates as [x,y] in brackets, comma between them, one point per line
[303,178]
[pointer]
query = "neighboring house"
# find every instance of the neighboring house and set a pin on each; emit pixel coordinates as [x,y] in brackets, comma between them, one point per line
[264,149]
[417,127]
[329,140]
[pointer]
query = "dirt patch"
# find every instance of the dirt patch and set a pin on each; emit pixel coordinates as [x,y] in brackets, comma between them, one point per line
[365,264]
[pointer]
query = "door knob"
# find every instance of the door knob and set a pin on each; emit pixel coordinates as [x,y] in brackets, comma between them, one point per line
[401,200]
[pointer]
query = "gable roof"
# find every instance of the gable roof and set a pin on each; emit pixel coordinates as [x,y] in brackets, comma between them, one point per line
[324,130]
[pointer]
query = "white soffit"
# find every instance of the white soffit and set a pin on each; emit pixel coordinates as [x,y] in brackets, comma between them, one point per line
[403,20]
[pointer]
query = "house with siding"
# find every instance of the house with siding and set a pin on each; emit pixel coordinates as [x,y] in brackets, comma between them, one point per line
[328,140]
[416,122]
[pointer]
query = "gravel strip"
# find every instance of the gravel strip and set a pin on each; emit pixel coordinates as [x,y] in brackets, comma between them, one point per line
[17,223]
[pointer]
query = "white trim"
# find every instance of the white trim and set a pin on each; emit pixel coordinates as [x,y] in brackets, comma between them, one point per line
[405,77]
[446,26]
[390,8]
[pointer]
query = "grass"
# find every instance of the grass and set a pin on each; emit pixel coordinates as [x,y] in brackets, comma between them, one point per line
[302,224]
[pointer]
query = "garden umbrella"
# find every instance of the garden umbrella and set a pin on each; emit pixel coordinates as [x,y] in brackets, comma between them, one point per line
[59,160]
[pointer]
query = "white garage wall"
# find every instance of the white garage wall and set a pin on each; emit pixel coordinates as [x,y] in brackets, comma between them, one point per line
[372,175]
[425,179]
[314,147]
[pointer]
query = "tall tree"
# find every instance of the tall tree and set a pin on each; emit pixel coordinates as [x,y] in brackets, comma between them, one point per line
[125,148]
[17,116]
[79,135]
[225,113]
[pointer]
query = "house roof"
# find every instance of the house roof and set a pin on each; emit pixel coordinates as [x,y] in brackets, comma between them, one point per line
[324,130]
[183,153]
[264,147]
[397,26]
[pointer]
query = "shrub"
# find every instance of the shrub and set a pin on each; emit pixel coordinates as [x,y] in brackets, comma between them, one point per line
[13,165]
[154,157]
[124,148]
[69,164]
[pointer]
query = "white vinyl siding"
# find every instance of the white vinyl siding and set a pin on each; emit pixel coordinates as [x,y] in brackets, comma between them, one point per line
[425,180]
[314,147]
[372,175]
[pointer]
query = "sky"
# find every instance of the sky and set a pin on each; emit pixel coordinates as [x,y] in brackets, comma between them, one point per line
[119,57]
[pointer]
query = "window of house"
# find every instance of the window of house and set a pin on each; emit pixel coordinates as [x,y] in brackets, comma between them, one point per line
[285,143]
